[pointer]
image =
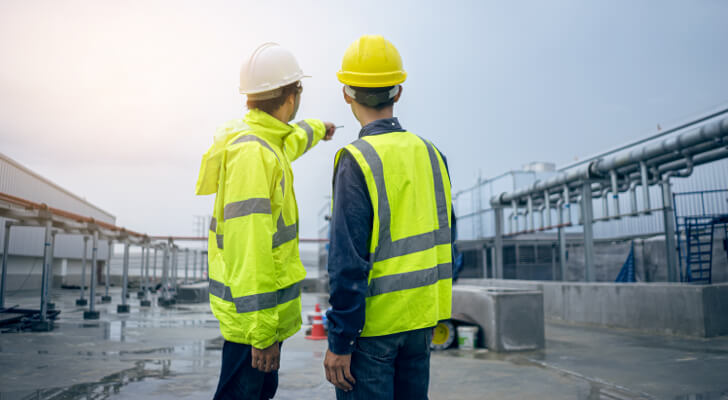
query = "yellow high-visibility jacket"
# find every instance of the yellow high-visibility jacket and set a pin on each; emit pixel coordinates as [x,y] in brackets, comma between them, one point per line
[255,268]
[410,282]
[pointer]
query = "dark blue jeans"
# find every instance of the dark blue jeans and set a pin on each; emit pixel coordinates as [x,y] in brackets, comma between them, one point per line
[239,380]
[391,367]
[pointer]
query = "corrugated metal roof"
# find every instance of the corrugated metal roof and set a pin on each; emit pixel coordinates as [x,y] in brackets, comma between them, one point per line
[20,181]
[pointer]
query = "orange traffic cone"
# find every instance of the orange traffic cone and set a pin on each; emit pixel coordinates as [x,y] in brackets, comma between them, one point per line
[317,331]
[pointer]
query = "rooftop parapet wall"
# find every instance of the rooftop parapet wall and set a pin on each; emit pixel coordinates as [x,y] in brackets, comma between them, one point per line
[676,309]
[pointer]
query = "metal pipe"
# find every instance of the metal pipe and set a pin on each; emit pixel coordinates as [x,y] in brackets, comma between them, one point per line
[47,259]
[707,133]
[94,263]
[165,271]
[586,206]
[125,273]
[668,219]
[562,251]
[530,223]
[108,270]
[559,214]
[633,197]
[6,249]
[175,264]
[681,126]
[615,193]
[187,263]
[567,205]
[480,206]
[514,205]
[51,304]
[146,271]
[154,271]
[194,264]
[142,277]
[498,245]
[541,210]
[668,215]
[84,260]
[605,202]
[547,204]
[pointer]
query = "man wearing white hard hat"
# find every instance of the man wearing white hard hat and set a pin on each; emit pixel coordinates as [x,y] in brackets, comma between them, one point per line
[255,268]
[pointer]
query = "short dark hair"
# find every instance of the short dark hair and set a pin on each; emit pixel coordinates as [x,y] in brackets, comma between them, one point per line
[272,105]
[375,91]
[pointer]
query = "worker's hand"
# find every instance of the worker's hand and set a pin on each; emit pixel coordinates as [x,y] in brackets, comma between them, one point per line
[330,129]
[268,359]
[338,371]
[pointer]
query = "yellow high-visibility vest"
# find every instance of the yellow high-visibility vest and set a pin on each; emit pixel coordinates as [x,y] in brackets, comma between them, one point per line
[410,282]
[255,269]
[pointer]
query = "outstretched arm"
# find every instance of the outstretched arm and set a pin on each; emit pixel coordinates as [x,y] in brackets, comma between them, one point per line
[306,134]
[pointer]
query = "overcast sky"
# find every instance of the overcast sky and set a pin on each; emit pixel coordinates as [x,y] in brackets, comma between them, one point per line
[117,101]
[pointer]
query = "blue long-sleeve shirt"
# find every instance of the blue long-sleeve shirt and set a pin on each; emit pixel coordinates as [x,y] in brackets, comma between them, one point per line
[351,228]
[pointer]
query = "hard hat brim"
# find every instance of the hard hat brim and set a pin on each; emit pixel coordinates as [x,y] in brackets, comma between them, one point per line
[277,86]
[381,79]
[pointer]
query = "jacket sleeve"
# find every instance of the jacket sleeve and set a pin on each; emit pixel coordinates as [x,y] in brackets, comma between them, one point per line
[306,134]
[252,190]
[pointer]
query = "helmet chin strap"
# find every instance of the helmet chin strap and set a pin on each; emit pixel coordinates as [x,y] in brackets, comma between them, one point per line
[371,99]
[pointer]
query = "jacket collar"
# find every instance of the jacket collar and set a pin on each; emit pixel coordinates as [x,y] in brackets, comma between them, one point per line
[380,126]
[267,127]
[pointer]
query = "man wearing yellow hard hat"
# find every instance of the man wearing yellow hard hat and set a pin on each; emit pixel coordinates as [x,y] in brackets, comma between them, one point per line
[255,268]
[390,257]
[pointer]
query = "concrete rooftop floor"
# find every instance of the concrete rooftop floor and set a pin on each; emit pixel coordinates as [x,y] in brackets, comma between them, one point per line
[174,353]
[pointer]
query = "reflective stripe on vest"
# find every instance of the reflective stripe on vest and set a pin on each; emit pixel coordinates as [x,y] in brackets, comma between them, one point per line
[255,302]
[284,233]
[409,280]
[386,248]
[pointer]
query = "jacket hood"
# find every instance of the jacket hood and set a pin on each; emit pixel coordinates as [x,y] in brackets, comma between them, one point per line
[212,160]
[263,124]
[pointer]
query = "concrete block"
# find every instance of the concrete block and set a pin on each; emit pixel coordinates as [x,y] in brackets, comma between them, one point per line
[715,305]
[671,308]
[90,315]
[511,319]
[193,293]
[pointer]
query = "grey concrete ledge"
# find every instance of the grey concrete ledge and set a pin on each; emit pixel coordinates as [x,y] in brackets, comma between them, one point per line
[668,308]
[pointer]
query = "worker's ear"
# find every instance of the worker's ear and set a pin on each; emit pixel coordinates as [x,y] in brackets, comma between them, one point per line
[347,98]
[396,97]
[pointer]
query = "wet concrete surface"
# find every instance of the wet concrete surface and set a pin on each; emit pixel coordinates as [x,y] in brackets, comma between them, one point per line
[174,353]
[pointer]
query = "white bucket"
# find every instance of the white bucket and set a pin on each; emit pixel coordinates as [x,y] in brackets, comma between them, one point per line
[467,335]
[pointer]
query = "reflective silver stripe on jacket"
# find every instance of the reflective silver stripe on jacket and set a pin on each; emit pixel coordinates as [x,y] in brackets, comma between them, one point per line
[409,280]
[255,302]
[309,132]
[213,224]
[246,207]
[386,248]
[284,233]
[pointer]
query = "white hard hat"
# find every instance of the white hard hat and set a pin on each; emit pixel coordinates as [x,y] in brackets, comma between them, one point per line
[269,68]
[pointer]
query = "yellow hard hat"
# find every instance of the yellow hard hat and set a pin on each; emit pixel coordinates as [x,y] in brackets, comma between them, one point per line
[371,61]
